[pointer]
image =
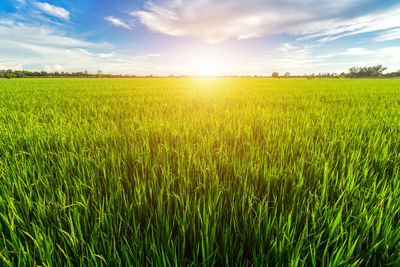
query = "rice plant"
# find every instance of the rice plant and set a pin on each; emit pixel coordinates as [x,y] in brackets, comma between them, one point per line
[199,172]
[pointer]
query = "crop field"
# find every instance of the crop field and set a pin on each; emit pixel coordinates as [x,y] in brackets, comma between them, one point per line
[207,172]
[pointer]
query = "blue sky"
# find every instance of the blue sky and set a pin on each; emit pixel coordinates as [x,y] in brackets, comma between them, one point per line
[199,37]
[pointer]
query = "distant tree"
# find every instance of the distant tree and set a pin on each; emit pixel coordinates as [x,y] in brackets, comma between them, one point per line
[287,74]
[311,77]
[373,71]
[24,73]
[393,74]
[99,73]
[275,75]
[19,74]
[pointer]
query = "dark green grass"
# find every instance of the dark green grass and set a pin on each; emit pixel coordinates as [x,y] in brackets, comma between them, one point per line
[200,172]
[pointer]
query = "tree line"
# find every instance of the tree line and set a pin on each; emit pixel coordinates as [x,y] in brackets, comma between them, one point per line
[44,74]
[354,72]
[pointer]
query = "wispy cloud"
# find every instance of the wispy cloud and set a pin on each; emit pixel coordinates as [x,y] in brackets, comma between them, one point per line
[388,56]
[254,18]
[354,51]
[55,67]
[382,53]
[5,65]
[42,34]
[148,56]
[332,29]
[388,35]
[39,35]
[106,55]
[236,18]
[51,10]
[301,60]
[117,22]
[295,59]
[30,46]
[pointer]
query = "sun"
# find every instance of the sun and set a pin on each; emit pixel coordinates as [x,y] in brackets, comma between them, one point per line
[207,69]
[207,61]
[208,65]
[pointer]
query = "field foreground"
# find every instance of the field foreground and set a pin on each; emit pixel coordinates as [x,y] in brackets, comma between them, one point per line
[199,172]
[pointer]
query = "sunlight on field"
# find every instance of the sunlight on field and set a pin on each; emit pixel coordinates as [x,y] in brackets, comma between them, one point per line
[207,84]
[240,171]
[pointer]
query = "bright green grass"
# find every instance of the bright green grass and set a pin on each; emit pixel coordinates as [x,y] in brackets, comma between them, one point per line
[199,172]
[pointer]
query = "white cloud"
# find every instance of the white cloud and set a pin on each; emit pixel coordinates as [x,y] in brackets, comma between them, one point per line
[300,60]
[5,65]
[6,22]
[23,32]
[51,10]
[34,43]
[117,22]
[287,47]
[354,51]
[148,56]
[215,21]
[54,58]
[388,35]
[19,4]
[332,29]
[387,56]
[296,60]
[53,68]
[38,47]
[84,51]
[106,55]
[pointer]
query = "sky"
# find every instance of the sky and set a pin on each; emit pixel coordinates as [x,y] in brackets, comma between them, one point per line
[199,37]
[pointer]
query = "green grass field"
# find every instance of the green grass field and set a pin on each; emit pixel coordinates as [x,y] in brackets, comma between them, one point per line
[199,172]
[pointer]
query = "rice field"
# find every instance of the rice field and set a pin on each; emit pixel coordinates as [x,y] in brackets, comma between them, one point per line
[200,172]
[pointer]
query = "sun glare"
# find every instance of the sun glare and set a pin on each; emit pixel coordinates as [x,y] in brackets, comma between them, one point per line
[207,64]
[208,61]
[207,69]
